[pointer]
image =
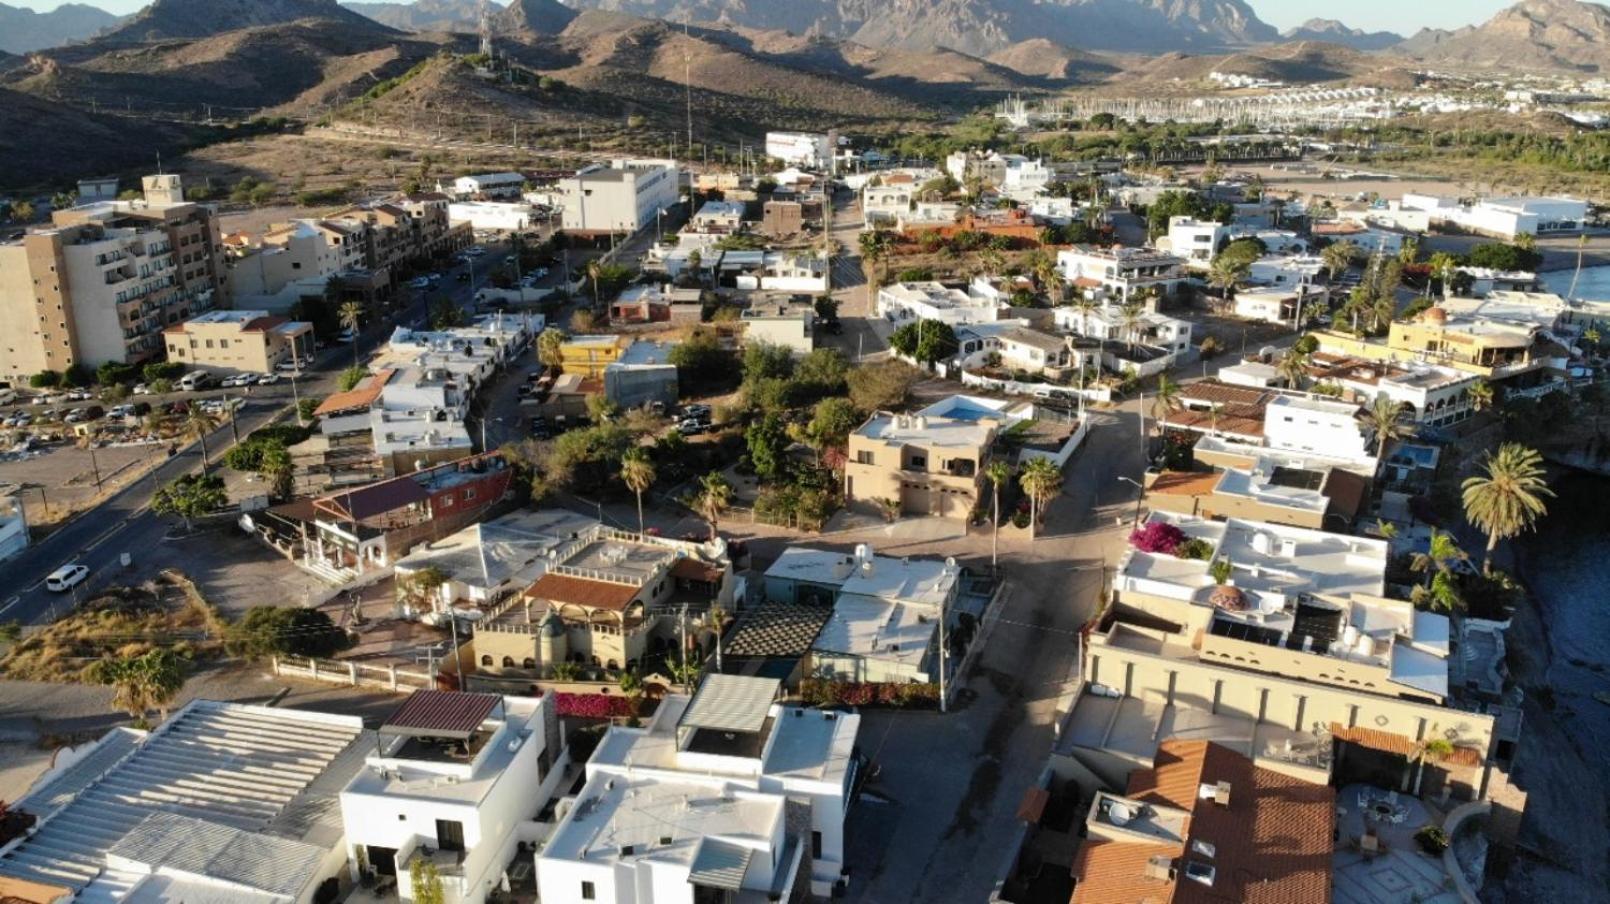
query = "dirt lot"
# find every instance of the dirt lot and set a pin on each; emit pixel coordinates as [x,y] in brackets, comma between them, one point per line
[67,474]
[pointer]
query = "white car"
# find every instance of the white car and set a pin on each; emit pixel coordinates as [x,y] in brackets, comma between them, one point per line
[80,395]
[420,282]
[122,412]
[66,578]
[236,380]
[140,389]
[287,367]
[268,379]
[475,251]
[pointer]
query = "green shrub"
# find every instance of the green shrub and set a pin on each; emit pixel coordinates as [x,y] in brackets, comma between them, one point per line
[281,631]
[1432,839]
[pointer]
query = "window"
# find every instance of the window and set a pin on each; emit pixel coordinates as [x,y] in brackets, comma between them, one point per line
[863,457]
[449,835]
[528,663]
[588,893]
[486,661]
[508,662]
[816,845]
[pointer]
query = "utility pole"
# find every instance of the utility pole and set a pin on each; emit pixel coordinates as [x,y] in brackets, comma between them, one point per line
[944,655]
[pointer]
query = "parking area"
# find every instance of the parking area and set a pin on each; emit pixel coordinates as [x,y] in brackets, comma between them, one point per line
[54,479]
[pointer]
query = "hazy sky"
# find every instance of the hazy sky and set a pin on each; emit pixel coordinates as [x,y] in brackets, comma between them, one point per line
[1372,15]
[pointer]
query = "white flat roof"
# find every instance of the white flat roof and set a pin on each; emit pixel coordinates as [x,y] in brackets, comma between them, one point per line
[928,431]
[658,819]
[237,316]
[874,629]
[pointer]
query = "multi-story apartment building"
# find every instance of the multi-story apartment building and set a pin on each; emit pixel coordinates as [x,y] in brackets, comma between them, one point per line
[624,196]
[1198,241]
[1517,350]
[103,281]
[239,341]
[929,465]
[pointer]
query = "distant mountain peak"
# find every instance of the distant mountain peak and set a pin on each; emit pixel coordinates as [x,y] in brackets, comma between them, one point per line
[23,30]
[170,19]
[1337,32]
[1532,35]
[545,17]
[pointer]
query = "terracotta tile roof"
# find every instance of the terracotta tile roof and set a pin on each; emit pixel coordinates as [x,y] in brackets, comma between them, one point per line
[564,589]
[1346,492]
[1272,842]
[361,396]
[1402,745]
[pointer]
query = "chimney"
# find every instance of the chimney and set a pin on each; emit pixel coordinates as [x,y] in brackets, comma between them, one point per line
[1221,794]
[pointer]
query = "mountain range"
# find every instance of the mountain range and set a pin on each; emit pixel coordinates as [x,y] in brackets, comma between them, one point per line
[1532,35]
[22,30]
[1334,32]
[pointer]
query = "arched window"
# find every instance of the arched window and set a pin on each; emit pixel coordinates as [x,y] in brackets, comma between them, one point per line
[508,662]
[486,661]
[528,663]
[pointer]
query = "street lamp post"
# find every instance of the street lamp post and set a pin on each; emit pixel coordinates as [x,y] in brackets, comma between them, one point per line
[1140,494]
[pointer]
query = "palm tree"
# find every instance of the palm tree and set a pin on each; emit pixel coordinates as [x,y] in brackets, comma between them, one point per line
[1165,398]
[717,619]
[1130,317]
[1293,367]
[637,471]
[998,472]
[714,495]
[280,471]
[1508,498]
[1226,273]
[1409,252]
[1481,395]
[1041,480]
[350,315]
[1047,275]
[550,347]
[1443,267]
[992,261]
[1339,257]
[1442,550]
[197,424]
[1581,246]
[1387,420]
[1382,311]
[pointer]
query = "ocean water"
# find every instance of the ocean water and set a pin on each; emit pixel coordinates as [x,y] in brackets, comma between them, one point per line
[1594,284]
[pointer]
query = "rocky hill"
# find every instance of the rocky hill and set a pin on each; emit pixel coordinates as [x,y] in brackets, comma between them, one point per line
[43,142]
[1561,35]
[1334,32]
[543,17]
[22,30]
[423,15]
[177,19]
[981,27]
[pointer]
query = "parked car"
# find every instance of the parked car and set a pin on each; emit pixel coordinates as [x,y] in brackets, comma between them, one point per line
[80,395]
[346,336]
[419,282]
[121,412]
[691,427]
[475,251]
[141,389]
[234,380]
[20,419]
[268,379]
[699,412]
[84,415]
[287,367]
[66,578]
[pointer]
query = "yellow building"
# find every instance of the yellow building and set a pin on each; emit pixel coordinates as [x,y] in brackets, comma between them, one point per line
[239,341]
[1489,348]
[929,465]
[587,356]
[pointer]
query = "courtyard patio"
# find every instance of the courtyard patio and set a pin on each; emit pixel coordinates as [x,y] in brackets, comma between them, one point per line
[1377,860]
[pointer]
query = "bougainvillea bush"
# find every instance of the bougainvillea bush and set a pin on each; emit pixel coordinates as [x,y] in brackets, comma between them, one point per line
[851,693]
[595,706]
[1157,537]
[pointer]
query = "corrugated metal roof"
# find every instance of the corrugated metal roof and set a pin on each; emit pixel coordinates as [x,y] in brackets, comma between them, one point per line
[720,864]
[731,703]
[450,714]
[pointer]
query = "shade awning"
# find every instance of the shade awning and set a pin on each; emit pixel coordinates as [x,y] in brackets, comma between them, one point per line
[440,714]
[720,864]
[731,703]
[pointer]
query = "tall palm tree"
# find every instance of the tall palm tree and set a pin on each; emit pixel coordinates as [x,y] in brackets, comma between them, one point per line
[1581,246]
[1226,273]
[549,347]
[1382,312]
[1130,316]
[1439,556]
[595,270]
[1409,252]
[1041,480]
[1508,498]
[1387,420]
[279,470]
[1443,267]
[1165,398]
[351,314]
[998,472]
[1048,276]
[1293,367]
[1339,257]
[637,471]
[1481,395]
[197,424]
[714,495]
